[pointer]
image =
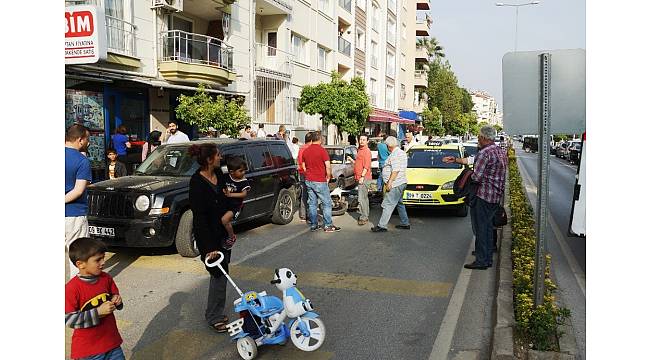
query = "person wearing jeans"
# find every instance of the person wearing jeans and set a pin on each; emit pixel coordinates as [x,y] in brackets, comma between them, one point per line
[394,174]
[363,176]
[302,212]
[318,171]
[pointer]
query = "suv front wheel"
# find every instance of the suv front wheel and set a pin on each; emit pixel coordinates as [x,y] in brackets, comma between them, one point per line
[185,241]
[283,211]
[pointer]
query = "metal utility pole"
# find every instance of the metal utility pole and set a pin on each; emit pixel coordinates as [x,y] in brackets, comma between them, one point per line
[544,157]
[517,6]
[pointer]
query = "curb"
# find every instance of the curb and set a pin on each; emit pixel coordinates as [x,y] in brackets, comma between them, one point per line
[504,323]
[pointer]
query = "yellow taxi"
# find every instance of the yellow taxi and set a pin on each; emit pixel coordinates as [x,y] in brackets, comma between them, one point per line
[430,182]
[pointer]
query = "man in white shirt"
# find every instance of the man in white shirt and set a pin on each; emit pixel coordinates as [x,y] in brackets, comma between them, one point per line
[260,131]
[174,135]
[410,141]
[394,176]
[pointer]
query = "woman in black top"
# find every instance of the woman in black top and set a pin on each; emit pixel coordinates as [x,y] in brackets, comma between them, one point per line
[208,206]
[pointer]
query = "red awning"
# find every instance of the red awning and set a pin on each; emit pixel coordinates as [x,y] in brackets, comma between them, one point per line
[381,115]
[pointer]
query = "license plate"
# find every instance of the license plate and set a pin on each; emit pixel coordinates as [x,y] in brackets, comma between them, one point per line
[411,195]
[101,231]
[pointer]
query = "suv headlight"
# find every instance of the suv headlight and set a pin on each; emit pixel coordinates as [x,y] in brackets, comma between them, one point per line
[142,203]
[447,186]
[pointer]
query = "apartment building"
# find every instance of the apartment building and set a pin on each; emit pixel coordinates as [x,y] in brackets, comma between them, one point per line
[485,107]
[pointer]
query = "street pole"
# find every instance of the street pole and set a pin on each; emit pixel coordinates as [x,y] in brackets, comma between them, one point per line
[517,6]
[542,195]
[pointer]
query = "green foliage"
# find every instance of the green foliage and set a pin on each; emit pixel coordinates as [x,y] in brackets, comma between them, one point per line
[338,102]
[466,102]
[497,127]
[204,111]
[431,120]
[432,46]
[537,325]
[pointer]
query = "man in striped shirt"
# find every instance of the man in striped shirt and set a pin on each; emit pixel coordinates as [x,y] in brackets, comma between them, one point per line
[490,173]
[394,176]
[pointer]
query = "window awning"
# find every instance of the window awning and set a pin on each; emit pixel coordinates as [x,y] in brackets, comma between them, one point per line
[381,115]
[408,116]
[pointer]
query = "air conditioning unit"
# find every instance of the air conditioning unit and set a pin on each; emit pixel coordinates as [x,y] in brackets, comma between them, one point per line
[174,5]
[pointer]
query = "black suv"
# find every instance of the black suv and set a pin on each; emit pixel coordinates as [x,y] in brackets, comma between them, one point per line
[151,208]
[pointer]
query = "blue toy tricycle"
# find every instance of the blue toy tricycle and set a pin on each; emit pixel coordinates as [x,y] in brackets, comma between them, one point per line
[262,317]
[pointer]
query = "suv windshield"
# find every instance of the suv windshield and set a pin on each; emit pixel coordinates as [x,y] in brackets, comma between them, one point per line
[170,160]
[336,156]
[432,158]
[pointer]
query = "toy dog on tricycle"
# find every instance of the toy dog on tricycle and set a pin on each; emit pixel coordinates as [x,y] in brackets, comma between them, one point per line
[262,316]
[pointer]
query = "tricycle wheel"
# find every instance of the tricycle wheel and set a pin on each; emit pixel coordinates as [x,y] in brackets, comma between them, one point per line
[247,348]
[316,337]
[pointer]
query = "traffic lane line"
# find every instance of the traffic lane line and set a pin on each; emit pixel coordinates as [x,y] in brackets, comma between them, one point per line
[579,276]
[314,279]
[554,158]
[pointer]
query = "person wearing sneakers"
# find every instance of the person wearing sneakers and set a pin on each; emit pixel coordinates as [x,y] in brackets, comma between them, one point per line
[363,176]
[302,212]
[394,176]
[318,171]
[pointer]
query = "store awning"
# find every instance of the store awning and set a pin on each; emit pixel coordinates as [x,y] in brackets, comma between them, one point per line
[381,115]
[408,116]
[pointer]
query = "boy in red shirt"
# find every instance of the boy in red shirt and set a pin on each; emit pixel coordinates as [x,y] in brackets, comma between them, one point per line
[90,299]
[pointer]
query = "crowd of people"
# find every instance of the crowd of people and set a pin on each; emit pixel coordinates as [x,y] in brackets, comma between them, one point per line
[91,295]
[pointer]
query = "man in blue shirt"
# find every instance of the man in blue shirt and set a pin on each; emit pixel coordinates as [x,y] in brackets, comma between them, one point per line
[77,178]
[382,155]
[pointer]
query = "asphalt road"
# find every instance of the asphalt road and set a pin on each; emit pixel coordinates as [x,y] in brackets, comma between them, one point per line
[381,296]
[568,253]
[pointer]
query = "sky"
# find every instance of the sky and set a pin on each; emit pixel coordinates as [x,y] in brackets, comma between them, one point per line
[476,34]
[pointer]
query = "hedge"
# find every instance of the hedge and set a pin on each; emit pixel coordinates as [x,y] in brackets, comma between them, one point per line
[537,325]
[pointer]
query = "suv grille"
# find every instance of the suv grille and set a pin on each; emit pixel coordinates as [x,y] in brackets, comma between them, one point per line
[110,204]
[423,187]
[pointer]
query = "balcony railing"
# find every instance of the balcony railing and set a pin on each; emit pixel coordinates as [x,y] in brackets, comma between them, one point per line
[423,18]
[273,60]
[345,47]
[420,74]
[120,36]
[181,46]
[346,4]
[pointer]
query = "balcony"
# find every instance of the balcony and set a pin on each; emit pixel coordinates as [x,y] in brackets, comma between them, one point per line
[423,25]
[272,62]
[274,7]
[421,78]
[194,58]
[421,54]
[419,106]
[120,42]
[423,4]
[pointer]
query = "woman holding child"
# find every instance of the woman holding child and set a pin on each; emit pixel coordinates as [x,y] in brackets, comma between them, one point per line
[208,205]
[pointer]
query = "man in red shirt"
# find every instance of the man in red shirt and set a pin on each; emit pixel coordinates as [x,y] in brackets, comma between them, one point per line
[302,212]
[318,171]
[363,175]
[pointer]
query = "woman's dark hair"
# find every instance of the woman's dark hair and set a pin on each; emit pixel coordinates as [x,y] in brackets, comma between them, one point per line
[121,130]
[154,137]
[202,153]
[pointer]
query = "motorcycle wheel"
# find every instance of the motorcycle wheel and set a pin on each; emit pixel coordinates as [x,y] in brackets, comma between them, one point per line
[247,348]
[317,334]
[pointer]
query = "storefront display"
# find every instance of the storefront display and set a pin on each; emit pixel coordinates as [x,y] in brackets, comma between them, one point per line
[87,108]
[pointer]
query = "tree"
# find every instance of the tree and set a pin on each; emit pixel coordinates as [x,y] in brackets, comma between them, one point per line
[466,103]
[206,112]
[432,46]
[443,94]
[338,102]
[432,121]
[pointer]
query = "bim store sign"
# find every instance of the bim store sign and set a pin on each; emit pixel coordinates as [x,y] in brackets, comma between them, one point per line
[85,34]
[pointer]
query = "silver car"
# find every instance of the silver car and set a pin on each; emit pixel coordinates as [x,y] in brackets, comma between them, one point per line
[342,167]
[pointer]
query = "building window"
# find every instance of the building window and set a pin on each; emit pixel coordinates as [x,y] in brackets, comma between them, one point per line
[375,17]
[402,92]
[322,58]
[390,64]
[403,31]
[298,117]
[324,6]
[390,97]
[272,42]
[299,49]
[373,54]
[361,40]
[392,5]
[361,4]
[373,92]
[403,61]
[390,31]
[359,74]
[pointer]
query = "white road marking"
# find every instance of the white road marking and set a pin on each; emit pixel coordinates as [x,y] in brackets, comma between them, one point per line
[269,247]
[580,277]
[442,344]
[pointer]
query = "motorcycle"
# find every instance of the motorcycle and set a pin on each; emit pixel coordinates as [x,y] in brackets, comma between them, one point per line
[259,313]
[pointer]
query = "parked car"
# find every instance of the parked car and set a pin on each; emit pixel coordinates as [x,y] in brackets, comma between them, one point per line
[374,165]
[151,208]
[342,168]
[470,149]
[430,182]
[564,151]
[574,153]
